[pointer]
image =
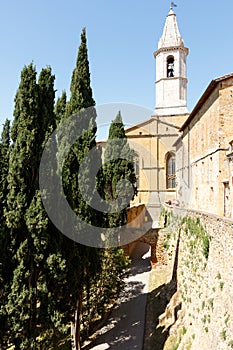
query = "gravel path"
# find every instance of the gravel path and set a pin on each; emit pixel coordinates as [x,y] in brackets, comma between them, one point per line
[124,328]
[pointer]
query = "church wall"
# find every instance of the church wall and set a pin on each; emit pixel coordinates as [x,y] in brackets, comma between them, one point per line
[175,120]
[226,112]
[230,210]
[200,160]
[152,142]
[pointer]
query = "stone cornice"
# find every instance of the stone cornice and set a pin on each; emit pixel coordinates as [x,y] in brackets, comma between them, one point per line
[172,78]
[172,48]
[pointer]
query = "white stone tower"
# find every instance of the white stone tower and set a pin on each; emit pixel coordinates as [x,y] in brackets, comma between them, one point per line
[171,81]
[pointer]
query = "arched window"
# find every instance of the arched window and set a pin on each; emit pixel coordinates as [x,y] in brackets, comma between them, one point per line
[170,66]
[136,167]
[171,170]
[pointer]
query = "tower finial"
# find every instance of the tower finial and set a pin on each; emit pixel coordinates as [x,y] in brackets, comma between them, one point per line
[172,5]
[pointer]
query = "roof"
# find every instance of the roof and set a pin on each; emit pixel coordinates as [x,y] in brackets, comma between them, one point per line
[204,98]
[171,34]
[148,121]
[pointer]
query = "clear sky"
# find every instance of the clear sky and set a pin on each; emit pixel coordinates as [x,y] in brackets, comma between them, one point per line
[122,36]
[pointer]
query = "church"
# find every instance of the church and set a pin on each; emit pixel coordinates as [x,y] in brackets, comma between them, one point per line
[181,158]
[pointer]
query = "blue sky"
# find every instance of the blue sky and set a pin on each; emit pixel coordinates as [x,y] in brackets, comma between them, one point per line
[122,36]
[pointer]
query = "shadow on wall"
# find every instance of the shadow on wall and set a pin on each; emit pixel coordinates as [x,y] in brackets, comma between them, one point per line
[158,301]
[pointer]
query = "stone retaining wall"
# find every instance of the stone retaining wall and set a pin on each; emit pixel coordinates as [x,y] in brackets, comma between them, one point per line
[205,285]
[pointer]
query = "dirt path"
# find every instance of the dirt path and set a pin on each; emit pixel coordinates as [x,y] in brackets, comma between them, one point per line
[124,329]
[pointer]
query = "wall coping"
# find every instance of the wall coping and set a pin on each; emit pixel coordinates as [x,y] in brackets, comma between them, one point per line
[215,217]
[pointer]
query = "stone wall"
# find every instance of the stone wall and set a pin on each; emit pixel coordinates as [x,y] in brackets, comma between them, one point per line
[202,166]
[204,284]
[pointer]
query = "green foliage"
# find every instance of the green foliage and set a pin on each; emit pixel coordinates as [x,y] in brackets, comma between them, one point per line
[211,303]
[223,334]
[4,160]
[31,302]
[166,245]
[176,346]
[82,262]
[227,320]
[105,287]
[196,231]
[80,88]
[118,173]
[48,281]
[206,246]
[183,330]
[165,217]
[94,277]
[5,254]
[60,108]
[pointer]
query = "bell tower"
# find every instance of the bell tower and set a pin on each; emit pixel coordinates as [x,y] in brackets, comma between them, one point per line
[171,80]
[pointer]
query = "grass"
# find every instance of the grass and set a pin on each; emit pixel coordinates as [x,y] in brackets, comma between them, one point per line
[223,334]
[166,245]
[175,347]
[183,331]
[196,231]
[211,303]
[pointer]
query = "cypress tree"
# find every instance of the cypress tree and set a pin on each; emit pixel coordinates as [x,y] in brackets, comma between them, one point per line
[82,261]
[5,253]
[23,166]
[26,219]
[87,265]
[118,166]
[80,88]
[4,160]
[60,107]
[23,162]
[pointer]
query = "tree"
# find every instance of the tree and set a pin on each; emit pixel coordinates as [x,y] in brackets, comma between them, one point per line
[23,162]
[82,261]
[5,254]
[28,224]
[118,167]
[60,108]
[80,88]
[4,160]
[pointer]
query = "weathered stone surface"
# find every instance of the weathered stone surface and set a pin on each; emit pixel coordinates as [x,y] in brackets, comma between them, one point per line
[204,173]
[204,287]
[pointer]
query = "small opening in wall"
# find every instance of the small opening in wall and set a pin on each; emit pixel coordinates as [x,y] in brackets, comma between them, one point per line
[170,66]
[140,133]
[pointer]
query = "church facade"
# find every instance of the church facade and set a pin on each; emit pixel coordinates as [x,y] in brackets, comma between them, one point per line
[184,158]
